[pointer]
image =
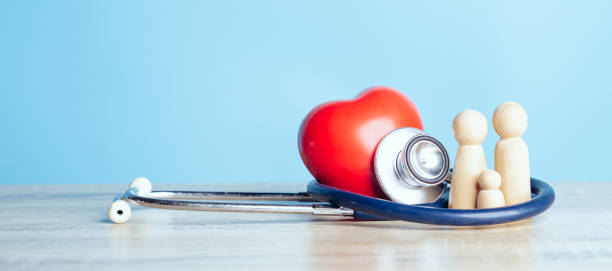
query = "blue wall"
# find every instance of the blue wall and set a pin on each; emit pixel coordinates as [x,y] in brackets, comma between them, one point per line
[187,91]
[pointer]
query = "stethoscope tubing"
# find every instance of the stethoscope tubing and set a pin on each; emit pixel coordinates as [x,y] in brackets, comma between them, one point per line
[324,200]
[435,213]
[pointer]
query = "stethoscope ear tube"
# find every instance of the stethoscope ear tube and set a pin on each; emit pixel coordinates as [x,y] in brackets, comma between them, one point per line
[436,213]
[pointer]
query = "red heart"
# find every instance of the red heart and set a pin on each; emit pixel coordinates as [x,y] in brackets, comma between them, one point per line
[337,140]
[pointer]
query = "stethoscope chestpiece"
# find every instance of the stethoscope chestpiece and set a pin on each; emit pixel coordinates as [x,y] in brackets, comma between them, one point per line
[411,166]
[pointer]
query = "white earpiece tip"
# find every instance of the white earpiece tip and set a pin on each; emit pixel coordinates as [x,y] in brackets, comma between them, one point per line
[142,184]
[119,211]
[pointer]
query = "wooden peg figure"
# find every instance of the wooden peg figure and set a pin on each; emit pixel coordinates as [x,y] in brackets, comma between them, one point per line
[489,195]
[511,154]
[469,129]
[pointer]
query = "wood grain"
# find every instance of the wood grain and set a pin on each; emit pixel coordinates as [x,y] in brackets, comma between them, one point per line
[65,227]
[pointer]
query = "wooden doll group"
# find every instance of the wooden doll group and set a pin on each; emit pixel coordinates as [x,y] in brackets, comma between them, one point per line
[475,186]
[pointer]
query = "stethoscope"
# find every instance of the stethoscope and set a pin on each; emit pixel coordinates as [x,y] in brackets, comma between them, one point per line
[412,168]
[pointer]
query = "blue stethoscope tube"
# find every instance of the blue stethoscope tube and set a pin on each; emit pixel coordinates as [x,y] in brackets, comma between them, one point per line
[339,203]
[436,213]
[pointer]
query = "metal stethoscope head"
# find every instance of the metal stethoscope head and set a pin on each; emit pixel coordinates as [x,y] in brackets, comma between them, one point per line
[411,166]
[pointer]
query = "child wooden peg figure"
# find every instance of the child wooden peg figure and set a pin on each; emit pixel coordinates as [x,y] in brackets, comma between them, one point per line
[490,196]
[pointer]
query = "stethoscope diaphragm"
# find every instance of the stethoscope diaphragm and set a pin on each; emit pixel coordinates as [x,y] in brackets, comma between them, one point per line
[411,166]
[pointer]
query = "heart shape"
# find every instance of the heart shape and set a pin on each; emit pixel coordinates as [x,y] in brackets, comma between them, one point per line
[337,140]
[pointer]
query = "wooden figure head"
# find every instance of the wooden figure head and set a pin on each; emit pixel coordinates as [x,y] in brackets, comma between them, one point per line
[510,120]
[489,180]
[470,127]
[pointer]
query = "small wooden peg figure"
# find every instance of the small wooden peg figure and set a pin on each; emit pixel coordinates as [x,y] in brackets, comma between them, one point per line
[511,153]
[469,129]
[490,196]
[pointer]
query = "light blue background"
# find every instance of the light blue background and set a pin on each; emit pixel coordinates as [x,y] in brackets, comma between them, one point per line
[195,91]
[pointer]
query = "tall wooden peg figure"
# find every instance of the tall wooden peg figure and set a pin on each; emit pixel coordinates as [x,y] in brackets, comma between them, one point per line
[489,195]
[511,154]
[469,129]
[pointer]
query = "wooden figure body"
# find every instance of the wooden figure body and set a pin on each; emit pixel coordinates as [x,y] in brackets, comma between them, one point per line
[511,153]
[469,129]
[489,195]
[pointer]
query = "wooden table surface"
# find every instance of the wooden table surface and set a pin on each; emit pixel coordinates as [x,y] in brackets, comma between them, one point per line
[65,227]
